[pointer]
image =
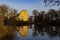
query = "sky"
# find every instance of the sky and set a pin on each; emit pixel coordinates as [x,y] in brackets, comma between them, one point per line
[28,5]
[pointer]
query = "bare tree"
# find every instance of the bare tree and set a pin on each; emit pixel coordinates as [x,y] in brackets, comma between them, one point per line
[53,2]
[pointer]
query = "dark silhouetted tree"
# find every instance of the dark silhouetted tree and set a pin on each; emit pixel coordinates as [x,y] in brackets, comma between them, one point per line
[53,2]
[52,14]
[35,13]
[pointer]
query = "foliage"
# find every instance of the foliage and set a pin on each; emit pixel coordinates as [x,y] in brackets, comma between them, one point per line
[3,9]
[51,16]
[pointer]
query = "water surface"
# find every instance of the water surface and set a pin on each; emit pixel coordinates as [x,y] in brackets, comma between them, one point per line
[37,32]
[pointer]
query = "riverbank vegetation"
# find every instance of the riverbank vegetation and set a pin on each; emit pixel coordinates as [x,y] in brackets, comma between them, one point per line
[51,17]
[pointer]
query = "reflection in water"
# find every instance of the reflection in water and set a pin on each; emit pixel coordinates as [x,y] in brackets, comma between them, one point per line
[39,32]
[23,30]
[52,31]
[36,32]
[6,32]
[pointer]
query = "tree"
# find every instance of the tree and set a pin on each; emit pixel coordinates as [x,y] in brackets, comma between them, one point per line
[15,12]
[42,13]
[53,2]
[41,16]
[58,12]
[4,29]
[52,14]
[46,18]
[3,10]
[35,13]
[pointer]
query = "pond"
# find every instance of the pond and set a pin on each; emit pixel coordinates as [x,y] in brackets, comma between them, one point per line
[36,32]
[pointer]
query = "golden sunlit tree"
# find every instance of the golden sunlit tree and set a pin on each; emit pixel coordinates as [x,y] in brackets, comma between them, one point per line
[23,16]
[4,29]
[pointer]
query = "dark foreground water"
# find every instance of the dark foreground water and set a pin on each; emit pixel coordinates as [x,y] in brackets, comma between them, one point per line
[37,32]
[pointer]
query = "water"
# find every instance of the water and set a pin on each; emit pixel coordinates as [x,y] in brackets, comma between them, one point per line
[36,32]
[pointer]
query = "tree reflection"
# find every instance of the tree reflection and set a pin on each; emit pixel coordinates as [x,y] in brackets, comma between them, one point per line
[38,29]
[35,33]
[51,31]
[23,30]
